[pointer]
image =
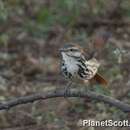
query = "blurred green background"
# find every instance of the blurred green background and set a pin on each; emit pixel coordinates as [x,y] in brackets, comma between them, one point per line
[31,33]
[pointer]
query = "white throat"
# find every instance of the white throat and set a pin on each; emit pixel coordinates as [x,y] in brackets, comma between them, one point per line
[70,63]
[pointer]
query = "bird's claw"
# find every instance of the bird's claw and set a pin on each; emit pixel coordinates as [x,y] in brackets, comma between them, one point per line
[66,92]
[67,89]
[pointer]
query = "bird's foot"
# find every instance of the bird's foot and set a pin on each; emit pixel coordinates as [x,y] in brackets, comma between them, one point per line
[66,92]
[67,89]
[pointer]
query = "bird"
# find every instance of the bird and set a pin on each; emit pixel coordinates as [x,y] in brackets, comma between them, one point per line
[77,68]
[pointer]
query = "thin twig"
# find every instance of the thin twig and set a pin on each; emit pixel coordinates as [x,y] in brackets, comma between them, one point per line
[102,22]
[73,93]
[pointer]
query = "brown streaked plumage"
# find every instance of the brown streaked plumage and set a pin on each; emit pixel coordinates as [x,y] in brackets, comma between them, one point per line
[76,68]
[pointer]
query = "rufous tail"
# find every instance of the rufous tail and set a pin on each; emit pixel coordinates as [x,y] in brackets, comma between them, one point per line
[100,79]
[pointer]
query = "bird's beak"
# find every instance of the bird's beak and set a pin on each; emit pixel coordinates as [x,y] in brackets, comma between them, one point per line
[60,49]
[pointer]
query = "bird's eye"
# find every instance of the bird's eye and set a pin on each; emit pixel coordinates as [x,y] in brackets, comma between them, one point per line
[73,49]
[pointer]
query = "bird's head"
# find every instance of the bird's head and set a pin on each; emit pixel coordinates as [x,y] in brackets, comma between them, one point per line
[72,50]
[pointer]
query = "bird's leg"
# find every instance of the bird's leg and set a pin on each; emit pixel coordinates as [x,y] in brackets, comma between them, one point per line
[67,88]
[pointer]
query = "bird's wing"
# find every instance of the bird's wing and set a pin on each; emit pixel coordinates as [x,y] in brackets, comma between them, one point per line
[93,62]
[92,66]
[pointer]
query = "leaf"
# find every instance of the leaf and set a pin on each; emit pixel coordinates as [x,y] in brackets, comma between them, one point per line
[45,16]
[128,94]
[3,12]
[4,39]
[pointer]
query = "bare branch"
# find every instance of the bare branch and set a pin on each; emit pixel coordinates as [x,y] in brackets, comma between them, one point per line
[73,93]
[101,22]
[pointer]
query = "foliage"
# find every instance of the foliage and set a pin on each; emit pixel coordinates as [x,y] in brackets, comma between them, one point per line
[32,31]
